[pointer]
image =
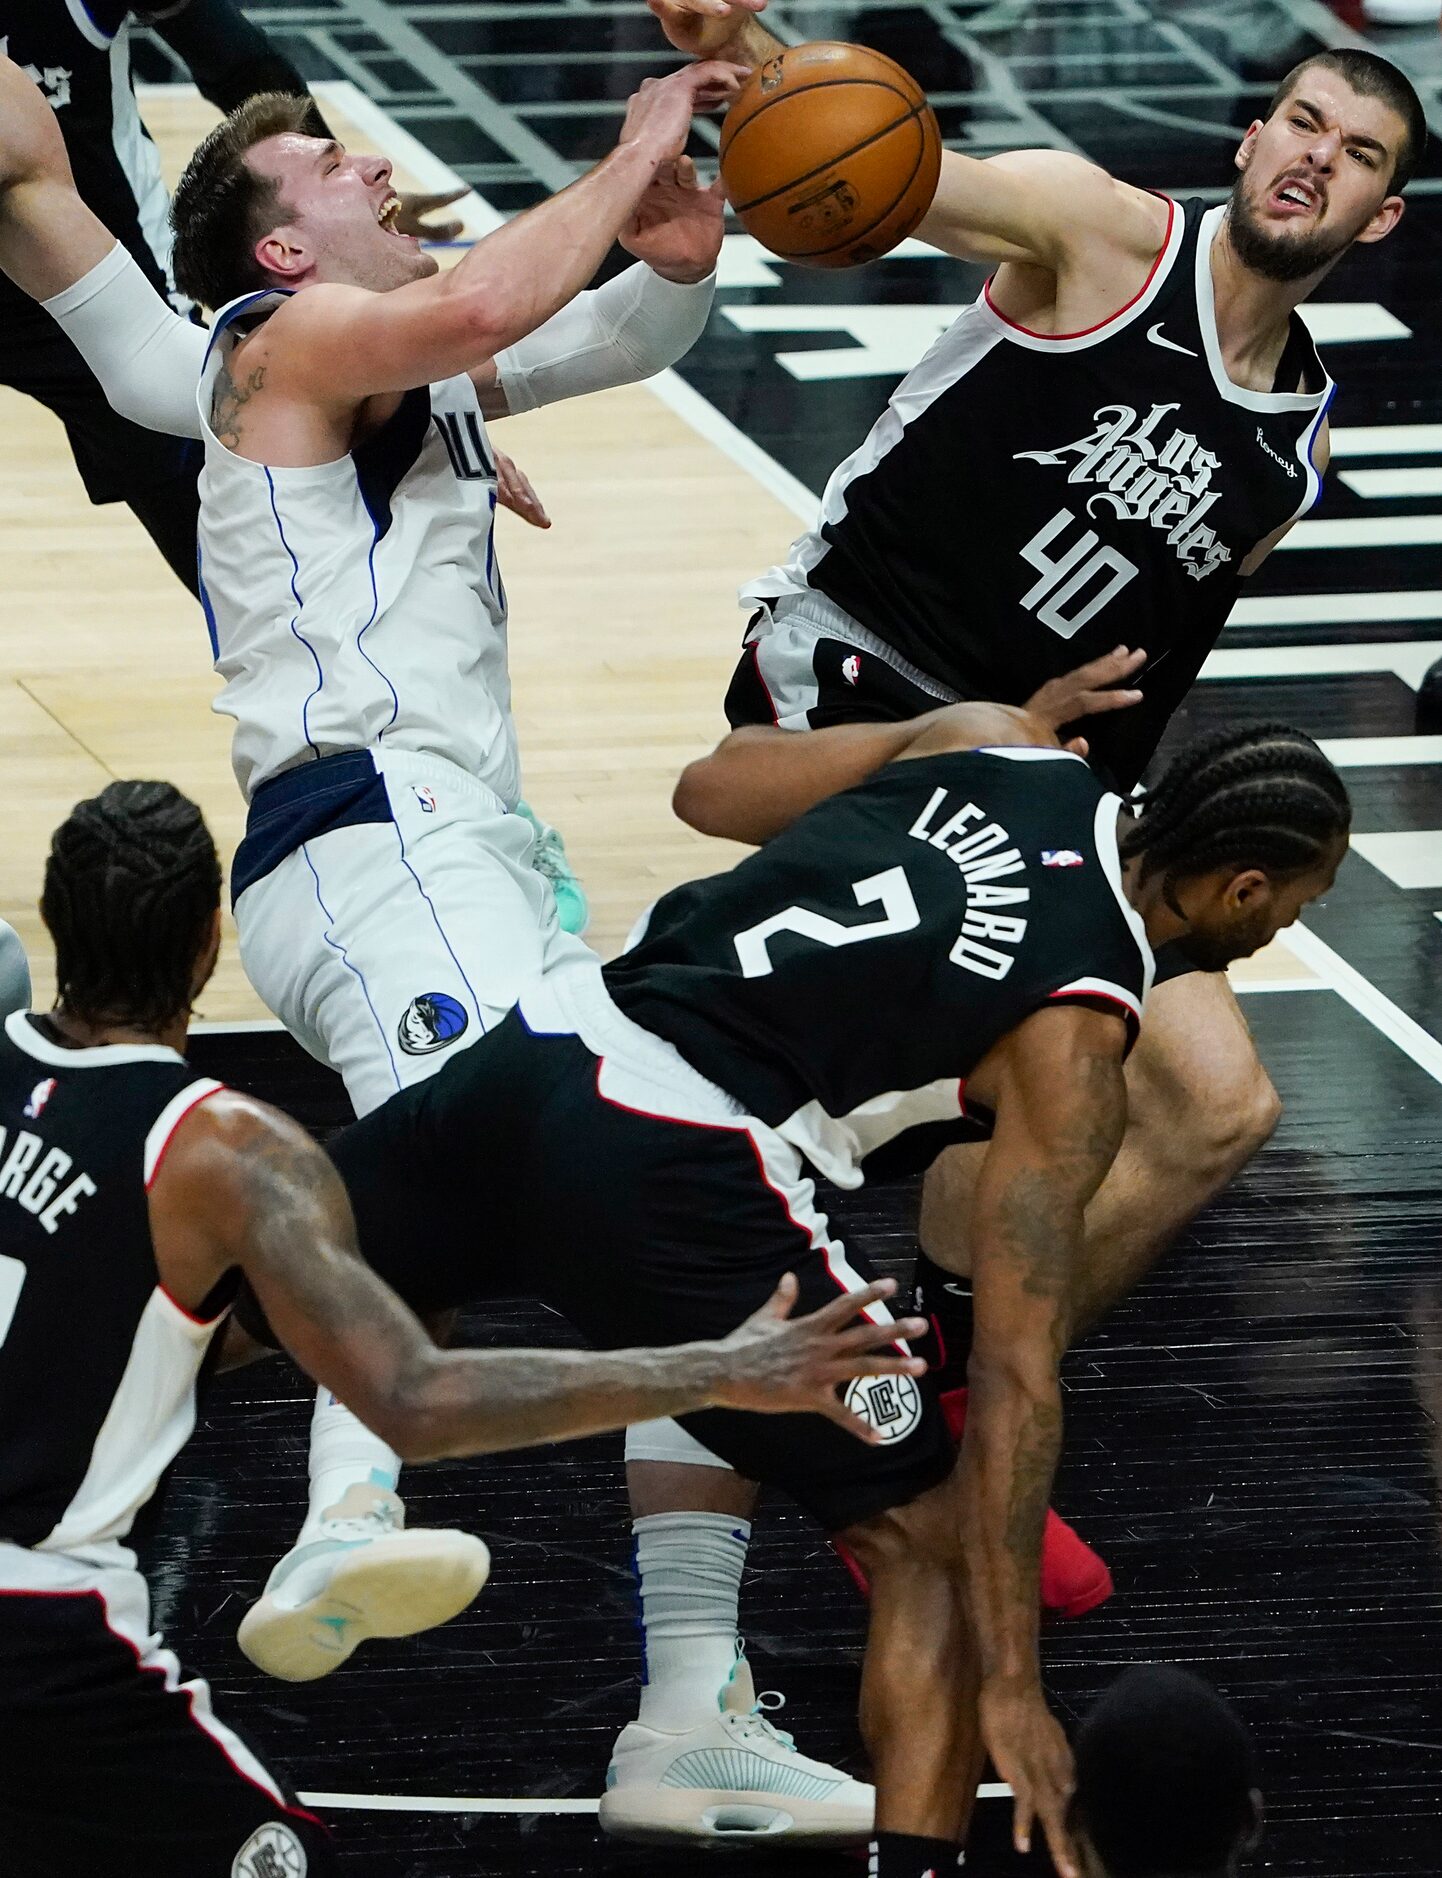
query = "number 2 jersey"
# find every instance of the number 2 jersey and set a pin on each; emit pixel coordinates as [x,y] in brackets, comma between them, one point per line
[845,980]
[98,1364]
[1027,502]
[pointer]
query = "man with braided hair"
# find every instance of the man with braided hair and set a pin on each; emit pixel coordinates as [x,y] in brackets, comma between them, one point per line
[134,1195]
[949,933]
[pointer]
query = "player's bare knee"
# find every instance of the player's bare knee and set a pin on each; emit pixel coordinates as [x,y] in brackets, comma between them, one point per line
[1211,1116]
[918,1535]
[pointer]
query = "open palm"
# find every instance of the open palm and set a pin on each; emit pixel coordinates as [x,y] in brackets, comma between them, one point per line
[677,227]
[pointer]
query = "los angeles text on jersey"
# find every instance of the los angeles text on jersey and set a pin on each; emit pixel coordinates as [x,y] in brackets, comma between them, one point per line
[32,1174]
[984,855]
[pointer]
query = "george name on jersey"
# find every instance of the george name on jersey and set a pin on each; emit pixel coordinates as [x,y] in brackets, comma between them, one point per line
[38,1178]
[984,853]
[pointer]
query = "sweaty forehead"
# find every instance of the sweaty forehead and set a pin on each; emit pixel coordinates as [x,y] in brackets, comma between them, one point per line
[1351,111]
[289,156]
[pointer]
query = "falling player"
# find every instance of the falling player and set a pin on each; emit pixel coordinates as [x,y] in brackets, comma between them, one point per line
[134,1194]
[647,1135]
[1121,428]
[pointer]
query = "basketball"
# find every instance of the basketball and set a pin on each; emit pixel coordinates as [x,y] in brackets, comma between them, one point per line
[830,154]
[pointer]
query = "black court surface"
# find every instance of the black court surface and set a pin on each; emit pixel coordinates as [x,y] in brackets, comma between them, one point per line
[1253,1439]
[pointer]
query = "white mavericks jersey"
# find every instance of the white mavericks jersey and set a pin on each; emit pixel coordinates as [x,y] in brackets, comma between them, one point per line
[358,603]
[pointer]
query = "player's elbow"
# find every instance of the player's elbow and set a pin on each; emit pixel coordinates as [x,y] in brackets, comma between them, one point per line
[718,794]
[700,796]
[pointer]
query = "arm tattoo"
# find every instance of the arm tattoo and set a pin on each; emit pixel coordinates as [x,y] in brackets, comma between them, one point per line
[229,400]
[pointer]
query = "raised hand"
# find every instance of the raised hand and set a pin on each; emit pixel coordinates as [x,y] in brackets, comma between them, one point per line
[1030,1752]
[1087,692]
[703,27]
[415,207]
[660,109]
[779,1365]
[678,225]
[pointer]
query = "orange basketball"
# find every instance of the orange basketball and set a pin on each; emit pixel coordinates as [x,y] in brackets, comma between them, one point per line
[830,154]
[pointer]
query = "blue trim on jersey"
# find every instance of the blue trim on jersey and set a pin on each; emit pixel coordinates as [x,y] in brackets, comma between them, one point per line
[294,625]
[1315,433]
[491,546]
[234,311]
[381,465]
[351,966]
[420,888]
[206,608]
[360,636]
[300,805]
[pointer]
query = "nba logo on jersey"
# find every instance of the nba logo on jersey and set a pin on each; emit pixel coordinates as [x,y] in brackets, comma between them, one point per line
[426,796]
[1061,857]
[851,668]
[39,1096]
[273,1852]
[430,1022]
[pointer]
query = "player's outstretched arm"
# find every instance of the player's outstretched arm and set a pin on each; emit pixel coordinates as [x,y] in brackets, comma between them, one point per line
[55,249]
[760,779]
[243,1186]
[334,345]
[1061,1110]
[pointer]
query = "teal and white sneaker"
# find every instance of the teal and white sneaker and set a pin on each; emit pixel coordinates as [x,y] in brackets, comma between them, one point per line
[548,857]
[363,1575]
[734,1779]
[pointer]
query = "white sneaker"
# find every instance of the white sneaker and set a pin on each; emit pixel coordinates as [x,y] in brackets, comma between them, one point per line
[362,1576]
[733,1778]
[1401,12]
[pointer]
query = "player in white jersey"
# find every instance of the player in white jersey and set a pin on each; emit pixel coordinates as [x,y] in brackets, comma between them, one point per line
[148,361]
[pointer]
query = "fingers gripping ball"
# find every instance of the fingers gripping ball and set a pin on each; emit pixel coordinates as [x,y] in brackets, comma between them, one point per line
[830,154]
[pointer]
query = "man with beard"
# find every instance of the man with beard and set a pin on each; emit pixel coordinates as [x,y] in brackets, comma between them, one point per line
[1120,428]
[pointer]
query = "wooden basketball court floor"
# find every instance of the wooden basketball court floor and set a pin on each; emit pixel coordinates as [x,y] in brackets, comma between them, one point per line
[1252,1440]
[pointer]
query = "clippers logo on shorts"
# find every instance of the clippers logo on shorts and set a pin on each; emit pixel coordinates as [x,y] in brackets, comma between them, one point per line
[851,668]
[430,1022]
[273,1852]
[889,1404]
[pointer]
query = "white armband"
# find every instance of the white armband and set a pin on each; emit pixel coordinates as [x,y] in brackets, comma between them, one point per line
[630,329]
[145,355]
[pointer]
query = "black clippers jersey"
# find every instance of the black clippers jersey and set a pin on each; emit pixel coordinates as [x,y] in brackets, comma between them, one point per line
[79,56]
[1026,503]
[844,981]
[97,1364]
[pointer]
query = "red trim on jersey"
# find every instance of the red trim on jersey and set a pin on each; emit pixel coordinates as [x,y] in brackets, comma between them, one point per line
[1067,996]
[203,1095]
[740,1128]
[274,1795]
[1087,331]
[201,1323]
[766,689]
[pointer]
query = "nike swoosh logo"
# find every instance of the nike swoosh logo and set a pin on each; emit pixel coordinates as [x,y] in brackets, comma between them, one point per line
[1154,333]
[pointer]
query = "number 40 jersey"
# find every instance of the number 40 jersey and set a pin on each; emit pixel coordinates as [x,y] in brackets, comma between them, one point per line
[845,980]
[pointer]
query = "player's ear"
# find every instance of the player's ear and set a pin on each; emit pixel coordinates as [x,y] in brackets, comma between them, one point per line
[1385,220]
[1243,889]
[281,256]
[1248,144]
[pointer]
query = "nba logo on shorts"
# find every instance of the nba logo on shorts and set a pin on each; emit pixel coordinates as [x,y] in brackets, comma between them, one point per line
[426,796]
[430,1022]
[851,668]
[889,1404]
[273,1852]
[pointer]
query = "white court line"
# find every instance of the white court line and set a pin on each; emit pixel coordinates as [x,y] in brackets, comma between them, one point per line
[1386,439]
[1409,659]
[1244,987]
[1395,606]
[446,1803]
[1366,531]
[1365,998]
[1405,485]
[1372,752]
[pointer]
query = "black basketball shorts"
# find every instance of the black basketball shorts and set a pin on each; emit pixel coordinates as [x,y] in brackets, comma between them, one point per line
[801,669]
[579,1152]
[111,1766]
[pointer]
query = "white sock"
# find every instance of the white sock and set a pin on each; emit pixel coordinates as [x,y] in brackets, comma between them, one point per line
[343,1454]
[689,1569]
